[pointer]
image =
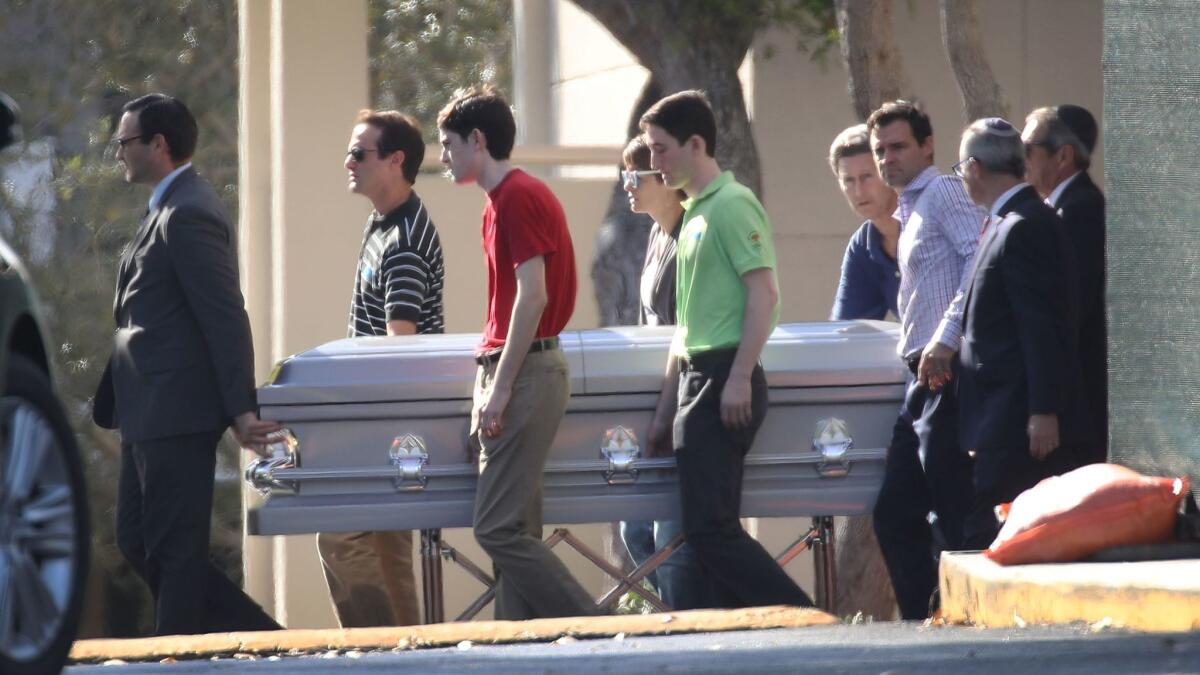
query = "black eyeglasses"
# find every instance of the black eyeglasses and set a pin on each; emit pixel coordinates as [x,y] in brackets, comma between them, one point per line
[960,168]
[359,154]
[632,179]
[122,142]
[1030,145]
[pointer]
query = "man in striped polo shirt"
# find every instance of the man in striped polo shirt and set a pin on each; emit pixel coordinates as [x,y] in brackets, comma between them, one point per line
[397,291]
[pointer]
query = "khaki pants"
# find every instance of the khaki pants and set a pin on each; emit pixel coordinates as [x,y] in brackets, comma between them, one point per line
[531,582]
[370,577]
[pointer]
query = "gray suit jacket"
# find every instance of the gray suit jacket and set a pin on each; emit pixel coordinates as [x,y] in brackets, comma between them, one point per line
[182,359]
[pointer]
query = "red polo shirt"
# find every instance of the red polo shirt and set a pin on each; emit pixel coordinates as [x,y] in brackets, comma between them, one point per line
[521,220]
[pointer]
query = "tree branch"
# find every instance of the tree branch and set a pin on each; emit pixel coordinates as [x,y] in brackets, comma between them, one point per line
[981,93]
[876,72]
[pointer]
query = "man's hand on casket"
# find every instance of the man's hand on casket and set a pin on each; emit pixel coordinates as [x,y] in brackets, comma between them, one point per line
[659,440]
[491,413]
[658,437]
[252,433]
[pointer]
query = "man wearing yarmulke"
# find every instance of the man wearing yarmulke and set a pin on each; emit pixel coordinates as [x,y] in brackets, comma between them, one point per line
[1059,143]
[1020,406]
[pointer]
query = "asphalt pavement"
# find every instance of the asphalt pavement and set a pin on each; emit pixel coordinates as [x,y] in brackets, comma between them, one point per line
[875,649]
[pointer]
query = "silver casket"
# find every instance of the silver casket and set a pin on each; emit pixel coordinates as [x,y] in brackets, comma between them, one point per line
[378,430]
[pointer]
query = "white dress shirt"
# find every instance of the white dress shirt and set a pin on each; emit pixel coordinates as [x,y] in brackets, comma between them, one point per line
[1055,195]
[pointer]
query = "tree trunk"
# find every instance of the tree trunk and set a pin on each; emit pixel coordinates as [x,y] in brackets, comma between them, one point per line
[684,45]
[876,72]
[981,93]
[863,584]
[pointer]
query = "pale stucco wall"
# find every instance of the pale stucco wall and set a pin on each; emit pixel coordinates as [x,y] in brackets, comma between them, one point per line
[1042,53]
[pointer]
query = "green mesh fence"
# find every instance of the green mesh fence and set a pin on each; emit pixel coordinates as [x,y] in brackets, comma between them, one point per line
[1152,174]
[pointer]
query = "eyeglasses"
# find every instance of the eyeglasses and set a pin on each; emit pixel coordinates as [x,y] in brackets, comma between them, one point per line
[960,168]
[122,142]
[359,154]
[632,179]
[1030,145]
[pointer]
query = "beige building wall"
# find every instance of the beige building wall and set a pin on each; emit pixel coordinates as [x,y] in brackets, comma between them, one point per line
[1042,53]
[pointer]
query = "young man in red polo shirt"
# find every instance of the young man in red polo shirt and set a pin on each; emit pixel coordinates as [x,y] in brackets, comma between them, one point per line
[522,386]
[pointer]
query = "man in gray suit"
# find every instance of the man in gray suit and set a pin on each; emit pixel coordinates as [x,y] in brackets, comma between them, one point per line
[181,372]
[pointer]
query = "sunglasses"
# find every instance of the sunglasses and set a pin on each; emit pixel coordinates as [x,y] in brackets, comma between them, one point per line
[1030,145]
[632,179]
[359,154]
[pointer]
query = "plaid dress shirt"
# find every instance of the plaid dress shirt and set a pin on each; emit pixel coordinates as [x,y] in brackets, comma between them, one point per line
[939,229]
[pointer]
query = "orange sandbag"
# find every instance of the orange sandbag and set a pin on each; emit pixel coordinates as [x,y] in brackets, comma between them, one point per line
[1072,516]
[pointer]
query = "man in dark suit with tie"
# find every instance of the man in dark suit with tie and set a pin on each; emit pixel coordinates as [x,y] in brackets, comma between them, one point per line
[181,372]
[1058,149]
[1020,402]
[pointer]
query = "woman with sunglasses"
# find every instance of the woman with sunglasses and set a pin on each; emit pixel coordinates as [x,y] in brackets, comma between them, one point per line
[680,581]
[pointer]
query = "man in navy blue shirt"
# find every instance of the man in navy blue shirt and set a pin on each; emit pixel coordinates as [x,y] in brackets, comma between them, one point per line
[868,289]
[870,280]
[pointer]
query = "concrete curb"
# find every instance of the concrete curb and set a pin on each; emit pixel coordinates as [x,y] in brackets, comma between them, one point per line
[444,634]
[1155,596]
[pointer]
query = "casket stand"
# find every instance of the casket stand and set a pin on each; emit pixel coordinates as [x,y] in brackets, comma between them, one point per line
[377,440]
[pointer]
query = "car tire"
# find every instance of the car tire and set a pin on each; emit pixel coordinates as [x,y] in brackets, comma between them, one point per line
[44,534]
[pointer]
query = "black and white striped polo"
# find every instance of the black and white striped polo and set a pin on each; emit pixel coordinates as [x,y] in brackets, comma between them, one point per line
[400,273]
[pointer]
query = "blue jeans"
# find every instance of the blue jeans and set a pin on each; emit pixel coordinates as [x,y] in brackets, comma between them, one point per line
[680,581]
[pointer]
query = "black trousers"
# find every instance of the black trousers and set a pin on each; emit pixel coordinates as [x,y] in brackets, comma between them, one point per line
[711,461]
[164,510]
[925,471]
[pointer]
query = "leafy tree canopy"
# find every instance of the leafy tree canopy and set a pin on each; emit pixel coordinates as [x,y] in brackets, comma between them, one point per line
[71,65]
[422,50]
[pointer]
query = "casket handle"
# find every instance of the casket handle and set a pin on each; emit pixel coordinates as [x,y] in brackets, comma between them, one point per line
[832,441]
[409,457]
[620,448]
[260,473]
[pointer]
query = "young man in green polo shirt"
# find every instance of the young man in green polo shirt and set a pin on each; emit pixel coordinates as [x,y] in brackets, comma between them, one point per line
[715,389]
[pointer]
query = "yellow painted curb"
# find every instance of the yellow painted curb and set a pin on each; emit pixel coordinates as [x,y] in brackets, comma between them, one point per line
[445,634]
[1156,596]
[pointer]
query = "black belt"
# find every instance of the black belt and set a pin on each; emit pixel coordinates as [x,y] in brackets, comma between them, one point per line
[541,345]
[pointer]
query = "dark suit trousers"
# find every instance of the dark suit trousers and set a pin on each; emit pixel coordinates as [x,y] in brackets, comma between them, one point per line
[925,471]
[711,461]
[164,509]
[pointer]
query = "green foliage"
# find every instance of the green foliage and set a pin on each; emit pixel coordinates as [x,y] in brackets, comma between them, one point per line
[71,65]
[422,50]
[814,22]
[633,602]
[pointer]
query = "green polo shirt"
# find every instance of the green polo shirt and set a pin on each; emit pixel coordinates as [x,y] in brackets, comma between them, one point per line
[725,235]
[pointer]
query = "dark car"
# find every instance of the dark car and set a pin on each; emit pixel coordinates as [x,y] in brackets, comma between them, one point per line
[43,505]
